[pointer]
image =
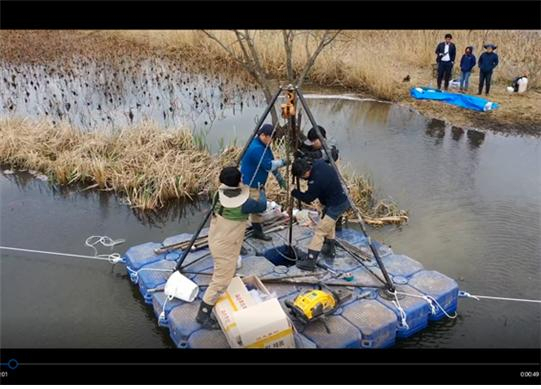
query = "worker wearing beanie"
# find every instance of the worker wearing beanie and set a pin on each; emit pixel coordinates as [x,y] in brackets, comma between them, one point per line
[324,185]
[255,166]
[226,234]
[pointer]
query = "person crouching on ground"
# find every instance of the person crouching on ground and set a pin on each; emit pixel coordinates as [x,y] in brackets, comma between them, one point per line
[324,185]
[255,167]
[487,62]
[446,53]
[467,62]
[226,234]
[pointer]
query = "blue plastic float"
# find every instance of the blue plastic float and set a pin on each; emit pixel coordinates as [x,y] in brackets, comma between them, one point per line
[370,319]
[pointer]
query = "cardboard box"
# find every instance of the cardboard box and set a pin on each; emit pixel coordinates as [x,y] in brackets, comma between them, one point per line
[250,324]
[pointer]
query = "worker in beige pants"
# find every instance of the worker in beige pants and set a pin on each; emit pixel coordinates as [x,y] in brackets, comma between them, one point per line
[326,229]
[324,185]
[225,237]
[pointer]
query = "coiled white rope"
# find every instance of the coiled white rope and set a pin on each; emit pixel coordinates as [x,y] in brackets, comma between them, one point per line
[478,297]
[91,241]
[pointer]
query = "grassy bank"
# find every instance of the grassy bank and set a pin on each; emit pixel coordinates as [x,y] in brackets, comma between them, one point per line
[373,63]
[146,166]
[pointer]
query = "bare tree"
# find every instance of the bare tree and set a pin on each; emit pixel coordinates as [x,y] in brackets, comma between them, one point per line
[243,50]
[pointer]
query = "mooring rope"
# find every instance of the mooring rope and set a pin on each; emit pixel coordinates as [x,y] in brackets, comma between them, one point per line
[478,297]
[111,258]
[431,301]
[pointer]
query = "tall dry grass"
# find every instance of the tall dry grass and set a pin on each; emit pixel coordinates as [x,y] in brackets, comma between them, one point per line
[374,61]
[146,166]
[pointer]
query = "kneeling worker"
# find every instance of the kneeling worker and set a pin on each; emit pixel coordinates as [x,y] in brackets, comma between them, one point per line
[324,185]
[226,235]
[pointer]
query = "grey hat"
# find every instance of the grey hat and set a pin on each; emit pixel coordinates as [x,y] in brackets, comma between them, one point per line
[491,45]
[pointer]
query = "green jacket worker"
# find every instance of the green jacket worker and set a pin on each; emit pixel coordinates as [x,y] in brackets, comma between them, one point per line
[225,237]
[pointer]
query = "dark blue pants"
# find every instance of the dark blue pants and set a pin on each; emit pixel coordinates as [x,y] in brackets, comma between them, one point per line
[484,78]
[444,73]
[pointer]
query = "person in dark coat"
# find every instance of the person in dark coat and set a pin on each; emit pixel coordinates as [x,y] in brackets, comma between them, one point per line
[324,185]
[312,148]
[487,62]
[446,53]
[467,63]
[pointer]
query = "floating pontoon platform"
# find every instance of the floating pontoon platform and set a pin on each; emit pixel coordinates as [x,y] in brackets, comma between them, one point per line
[370,319]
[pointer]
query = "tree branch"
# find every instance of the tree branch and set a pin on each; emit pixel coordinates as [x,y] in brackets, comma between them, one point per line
[325,41]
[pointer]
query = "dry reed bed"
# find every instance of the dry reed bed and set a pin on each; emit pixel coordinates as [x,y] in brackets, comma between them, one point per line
[374,61]
[144,165]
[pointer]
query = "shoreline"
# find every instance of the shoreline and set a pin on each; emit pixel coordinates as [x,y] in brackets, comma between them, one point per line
[517,114]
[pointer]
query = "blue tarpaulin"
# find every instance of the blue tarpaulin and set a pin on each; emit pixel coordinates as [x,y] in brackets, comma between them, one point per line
[460,100]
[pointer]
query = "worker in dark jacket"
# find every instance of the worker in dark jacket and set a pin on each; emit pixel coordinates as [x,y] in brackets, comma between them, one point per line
[324,185]
[226,234]
[487,62]
[255,167]
[312,148]
[446,53]
[467,62]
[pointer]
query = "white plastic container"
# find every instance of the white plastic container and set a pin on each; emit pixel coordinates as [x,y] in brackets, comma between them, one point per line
[181,287]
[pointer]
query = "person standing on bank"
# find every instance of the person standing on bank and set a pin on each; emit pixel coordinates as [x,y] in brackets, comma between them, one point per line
[446,53]
[255,167]
[225,237]
[324,185]
[467,62]
[487,62]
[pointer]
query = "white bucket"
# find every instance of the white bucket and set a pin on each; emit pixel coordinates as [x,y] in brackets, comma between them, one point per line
[181,287]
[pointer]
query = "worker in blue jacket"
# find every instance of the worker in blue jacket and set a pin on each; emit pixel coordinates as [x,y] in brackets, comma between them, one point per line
[467,62]
[255,166]
[446,53]
[487,62]
[324,185]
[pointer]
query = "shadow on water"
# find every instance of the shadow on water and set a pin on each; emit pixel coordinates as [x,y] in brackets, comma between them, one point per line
[475,138]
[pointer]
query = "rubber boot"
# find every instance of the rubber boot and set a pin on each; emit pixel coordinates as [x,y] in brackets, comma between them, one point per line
[258,233]
[204,317]
[308,262]
[325,248]
[332,249]
[338,226]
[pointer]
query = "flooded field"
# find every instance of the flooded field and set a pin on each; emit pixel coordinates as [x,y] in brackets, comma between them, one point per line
[474,200]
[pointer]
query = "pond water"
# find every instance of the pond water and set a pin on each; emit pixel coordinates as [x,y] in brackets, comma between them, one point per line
[475,213]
